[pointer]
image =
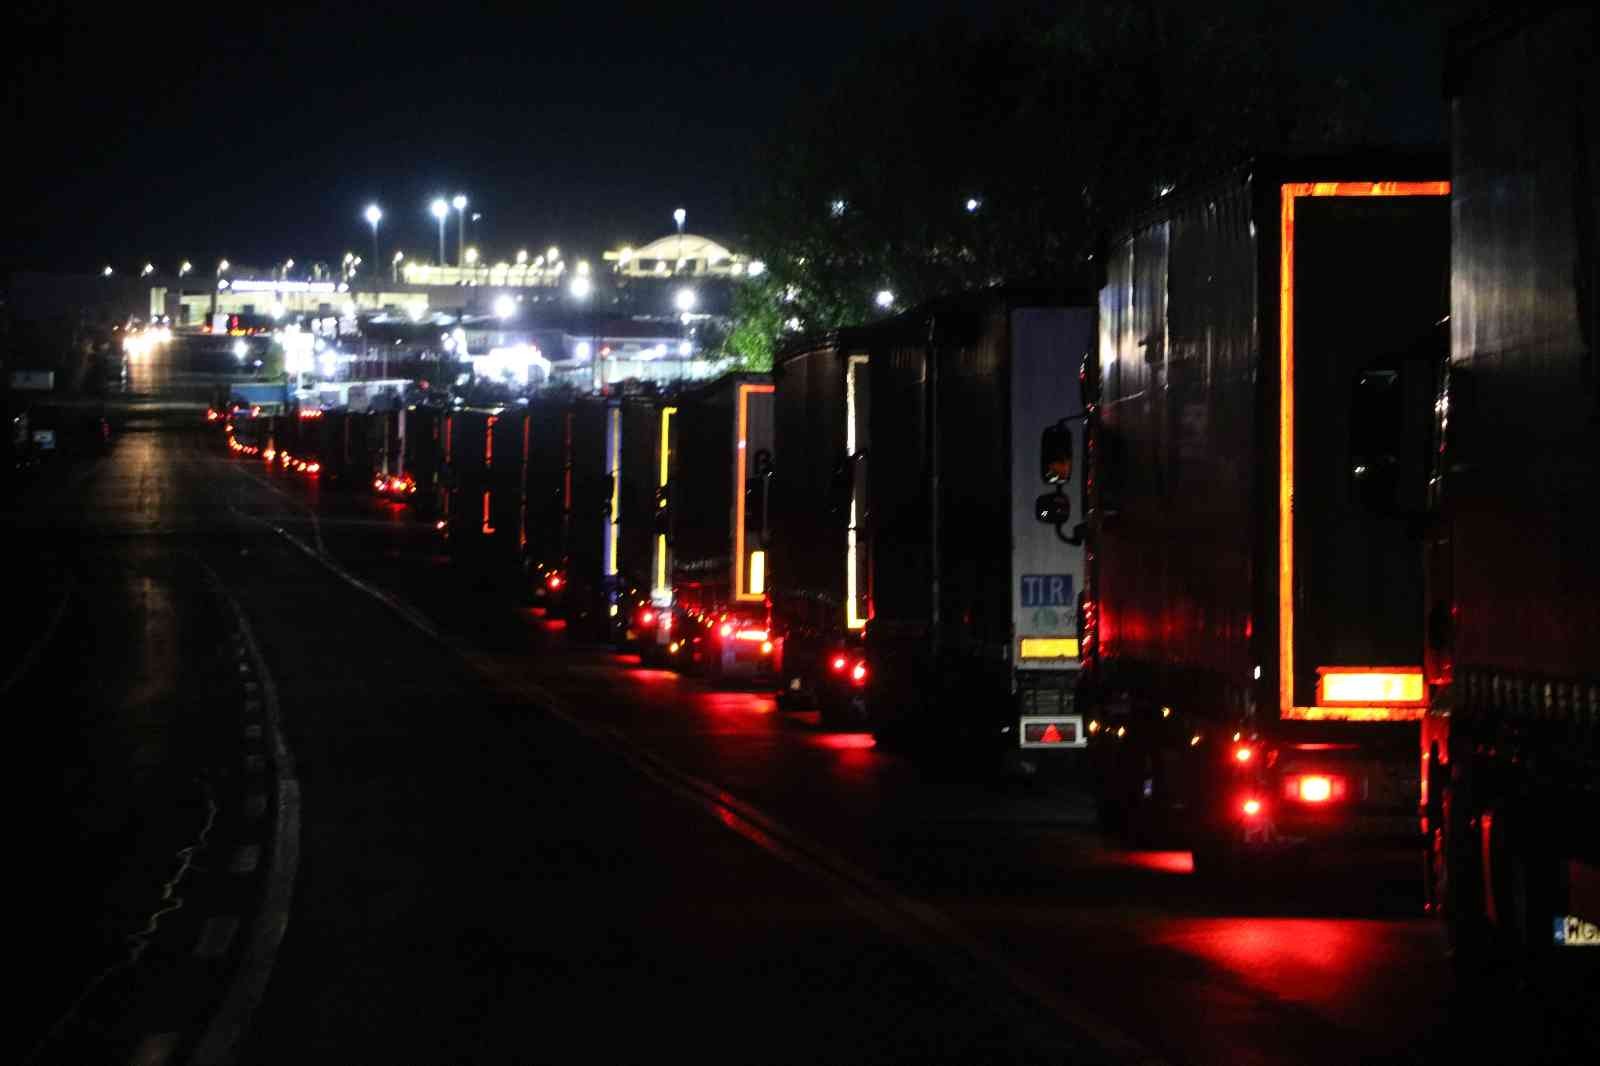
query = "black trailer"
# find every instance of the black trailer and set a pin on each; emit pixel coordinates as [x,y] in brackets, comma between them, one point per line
[1511,745]
[717,526]
[1269,347]
[821,586]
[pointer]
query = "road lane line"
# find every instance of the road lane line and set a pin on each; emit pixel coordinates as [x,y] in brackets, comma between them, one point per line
[909,919]
[226,1030]
[36,649]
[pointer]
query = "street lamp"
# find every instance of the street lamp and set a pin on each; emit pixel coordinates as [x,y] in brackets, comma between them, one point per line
[581,287]
[184,268]
[679,216]
[149,268]
[398,257]
[441,211]
[460,204]
[374,216]
[884,299]
[684,300]
[505,307]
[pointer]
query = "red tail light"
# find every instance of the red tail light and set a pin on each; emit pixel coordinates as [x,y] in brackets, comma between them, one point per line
[858,673]
[839,663]
[554,581]
[647,618]
[766,647]
[726,630]
[1315,788]
[1251,807]
[1243,754]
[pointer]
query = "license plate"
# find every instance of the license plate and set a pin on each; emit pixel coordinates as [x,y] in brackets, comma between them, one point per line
[1574,932]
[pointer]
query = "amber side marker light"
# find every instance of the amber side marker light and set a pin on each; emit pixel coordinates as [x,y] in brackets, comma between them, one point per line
[1048,648]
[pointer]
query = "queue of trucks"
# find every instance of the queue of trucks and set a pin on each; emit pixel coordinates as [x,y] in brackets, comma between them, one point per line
[1282,538]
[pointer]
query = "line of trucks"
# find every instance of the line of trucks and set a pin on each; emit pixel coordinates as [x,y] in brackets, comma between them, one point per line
[1283,537]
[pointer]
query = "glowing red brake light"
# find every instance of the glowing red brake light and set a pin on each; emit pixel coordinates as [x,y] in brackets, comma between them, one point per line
[1251,807]
[726,630]
[647,618]
[766,647]
[1243,753]
[554,581]
[858,674]
[1315,788]
[839,663]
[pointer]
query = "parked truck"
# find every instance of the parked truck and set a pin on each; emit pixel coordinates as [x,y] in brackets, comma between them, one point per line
[821,551]
[714,519]
[1511,742]
[1269,349]
[970,410]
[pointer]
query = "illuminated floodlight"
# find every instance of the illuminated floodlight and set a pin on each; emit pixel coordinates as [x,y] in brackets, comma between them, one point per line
[374,214]
[223,265]
[459,203]
[440,209]
[471,256]
[885,298]
[685,348]
[149,268]
[973,203]
[522,257]
[679,216]
[553,254]
[184,268]
[399,256]
[756,268]
[106,272]
[580,287]
[240,350]
[684,300]
[504,307]
[837,208]
[582,350]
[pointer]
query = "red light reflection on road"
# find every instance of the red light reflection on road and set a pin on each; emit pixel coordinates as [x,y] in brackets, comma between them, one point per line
[738,703]
[1313,960]
[847,741]
[652,677]
[1161,862]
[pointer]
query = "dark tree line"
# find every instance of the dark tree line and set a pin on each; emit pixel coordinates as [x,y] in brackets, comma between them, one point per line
[962,157]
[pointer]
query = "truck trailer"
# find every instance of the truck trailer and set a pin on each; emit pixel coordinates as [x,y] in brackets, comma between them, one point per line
[969,611]
[714,515]
[1511,742]
[1269,348]
[821,579]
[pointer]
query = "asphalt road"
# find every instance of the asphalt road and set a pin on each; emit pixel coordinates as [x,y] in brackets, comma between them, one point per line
[301,789]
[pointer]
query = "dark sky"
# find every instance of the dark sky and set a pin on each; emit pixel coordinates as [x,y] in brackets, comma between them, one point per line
[261,131]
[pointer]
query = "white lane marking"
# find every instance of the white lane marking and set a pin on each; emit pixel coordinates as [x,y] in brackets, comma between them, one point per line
[46,635]
[916,922]
[154,1050]
[216,936]
[226,1030]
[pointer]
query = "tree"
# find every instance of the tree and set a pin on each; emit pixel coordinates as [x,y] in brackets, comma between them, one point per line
[959,159]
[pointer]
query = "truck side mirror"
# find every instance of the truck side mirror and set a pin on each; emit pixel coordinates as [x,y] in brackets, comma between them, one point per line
[1055,454]
[841,486]
[662,518]
[1376,425]
[1053,508]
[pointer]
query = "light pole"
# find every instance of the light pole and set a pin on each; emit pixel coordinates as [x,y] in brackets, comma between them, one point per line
[441,211]
[374,216]
[460,204]
[398,257]
[679,216]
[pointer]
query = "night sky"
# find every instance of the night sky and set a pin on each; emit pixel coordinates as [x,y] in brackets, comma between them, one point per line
[260,132]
